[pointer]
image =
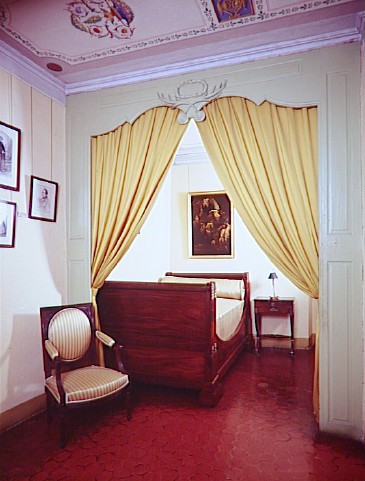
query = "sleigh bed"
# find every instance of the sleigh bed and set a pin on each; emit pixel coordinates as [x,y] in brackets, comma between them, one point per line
[175,331]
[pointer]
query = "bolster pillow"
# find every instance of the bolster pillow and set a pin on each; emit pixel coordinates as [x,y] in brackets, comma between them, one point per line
[226,288]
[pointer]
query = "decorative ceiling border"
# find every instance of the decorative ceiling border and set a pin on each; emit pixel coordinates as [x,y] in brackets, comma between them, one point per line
[212,26]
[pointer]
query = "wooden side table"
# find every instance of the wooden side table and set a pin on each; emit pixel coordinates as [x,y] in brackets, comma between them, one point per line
[283,306]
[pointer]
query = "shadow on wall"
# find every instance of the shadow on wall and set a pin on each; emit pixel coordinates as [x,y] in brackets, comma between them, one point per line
[21,366]
[54,245]
[54,236]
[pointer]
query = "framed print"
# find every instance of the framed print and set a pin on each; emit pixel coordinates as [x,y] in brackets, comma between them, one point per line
[210,225]
[9,156]
[7,223]
[43,199]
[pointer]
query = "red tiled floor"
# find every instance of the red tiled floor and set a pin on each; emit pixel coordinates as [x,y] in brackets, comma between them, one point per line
[262,430]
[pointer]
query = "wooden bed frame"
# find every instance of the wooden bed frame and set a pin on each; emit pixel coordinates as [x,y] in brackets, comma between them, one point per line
[168,332]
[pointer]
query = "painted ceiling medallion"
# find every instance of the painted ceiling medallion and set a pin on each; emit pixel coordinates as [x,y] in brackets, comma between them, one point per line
[190,97]
[55,67]
[101,18]
[232,9]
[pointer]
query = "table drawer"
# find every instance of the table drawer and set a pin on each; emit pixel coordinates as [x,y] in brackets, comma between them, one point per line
[281,307]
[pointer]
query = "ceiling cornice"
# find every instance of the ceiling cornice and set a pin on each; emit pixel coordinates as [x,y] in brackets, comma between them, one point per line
[191,154]
[221,60]
[29,72]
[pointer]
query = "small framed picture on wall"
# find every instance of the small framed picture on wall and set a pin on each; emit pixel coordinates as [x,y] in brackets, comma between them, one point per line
[9,156]
[210,225]
[43,199]
[7,223]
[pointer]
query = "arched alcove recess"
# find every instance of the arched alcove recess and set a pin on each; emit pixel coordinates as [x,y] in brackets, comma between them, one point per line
[328,78]
[266,157]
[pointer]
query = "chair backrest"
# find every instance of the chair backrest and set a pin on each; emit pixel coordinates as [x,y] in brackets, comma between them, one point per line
[71,330]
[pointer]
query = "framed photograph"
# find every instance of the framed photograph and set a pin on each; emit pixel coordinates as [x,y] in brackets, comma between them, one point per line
[210,225]
[43,199]
[9,156]
[7,223]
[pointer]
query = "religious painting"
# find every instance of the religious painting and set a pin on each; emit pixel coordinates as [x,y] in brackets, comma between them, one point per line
[232,9]
[210,225]
[9,156]
[43,199]
[7,223]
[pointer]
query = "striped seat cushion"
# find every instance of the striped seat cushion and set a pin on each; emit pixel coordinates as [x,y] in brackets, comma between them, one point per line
[88,383]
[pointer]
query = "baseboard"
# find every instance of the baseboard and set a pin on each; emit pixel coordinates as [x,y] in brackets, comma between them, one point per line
[23,411]
[284,342]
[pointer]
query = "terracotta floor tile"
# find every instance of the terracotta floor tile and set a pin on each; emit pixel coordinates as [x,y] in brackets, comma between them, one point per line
[262,430]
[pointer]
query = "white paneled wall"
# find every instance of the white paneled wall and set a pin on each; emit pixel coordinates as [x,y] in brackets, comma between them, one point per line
[33,273]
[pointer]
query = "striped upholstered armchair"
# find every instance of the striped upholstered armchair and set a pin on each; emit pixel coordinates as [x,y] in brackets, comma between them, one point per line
[73,376]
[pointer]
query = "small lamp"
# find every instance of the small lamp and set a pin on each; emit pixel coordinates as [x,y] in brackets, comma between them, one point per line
[273,276]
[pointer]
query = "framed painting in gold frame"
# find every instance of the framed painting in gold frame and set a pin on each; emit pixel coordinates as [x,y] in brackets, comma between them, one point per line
[210,219]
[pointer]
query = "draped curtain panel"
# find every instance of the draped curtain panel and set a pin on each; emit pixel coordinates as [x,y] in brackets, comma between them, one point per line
[128,167]
[266,157]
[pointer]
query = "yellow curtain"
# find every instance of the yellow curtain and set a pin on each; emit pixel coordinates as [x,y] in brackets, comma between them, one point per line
[266,157]
[128,166]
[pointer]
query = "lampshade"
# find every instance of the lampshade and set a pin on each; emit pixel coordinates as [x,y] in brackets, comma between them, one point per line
[272,275]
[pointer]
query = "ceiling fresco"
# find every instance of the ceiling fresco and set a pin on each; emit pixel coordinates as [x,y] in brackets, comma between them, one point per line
[74,40]
[123,27]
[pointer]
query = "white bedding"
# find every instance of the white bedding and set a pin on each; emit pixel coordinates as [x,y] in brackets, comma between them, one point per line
[228,312]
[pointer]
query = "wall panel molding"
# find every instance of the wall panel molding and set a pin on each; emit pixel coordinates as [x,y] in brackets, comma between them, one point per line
[338,167]
[339,280]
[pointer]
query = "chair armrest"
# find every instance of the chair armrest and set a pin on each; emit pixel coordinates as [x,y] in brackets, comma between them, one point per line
[117,348]
[57,363]
[110,342]
[51,349]
[105,339]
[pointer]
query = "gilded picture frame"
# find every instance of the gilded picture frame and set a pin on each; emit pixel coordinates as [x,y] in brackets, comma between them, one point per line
[210,225]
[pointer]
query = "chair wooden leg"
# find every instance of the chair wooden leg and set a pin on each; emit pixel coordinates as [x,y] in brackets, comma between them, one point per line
[49,402]
[63,426]
[129,403]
